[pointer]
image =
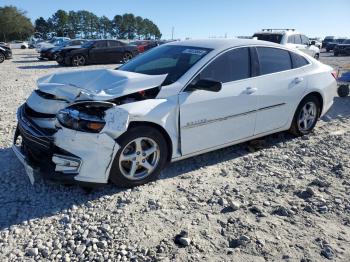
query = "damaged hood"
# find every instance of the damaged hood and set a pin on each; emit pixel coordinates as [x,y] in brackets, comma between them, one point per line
[100,84]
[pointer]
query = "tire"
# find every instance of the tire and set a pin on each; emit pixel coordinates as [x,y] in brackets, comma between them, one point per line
[2,57]
[336,53]
[301,126]
[343,90]
[127,56]
[327,50]
[121,170]
[317,56]
[78,60]
[23,47]
[59,59]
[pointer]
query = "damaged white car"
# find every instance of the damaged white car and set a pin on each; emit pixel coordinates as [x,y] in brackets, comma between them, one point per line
[175,101]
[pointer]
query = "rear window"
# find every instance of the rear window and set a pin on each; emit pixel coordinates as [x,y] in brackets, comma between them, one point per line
[275,38]
[273,60]
[298,60]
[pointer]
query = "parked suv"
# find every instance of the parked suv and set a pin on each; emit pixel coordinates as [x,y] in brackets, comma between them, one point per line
[330,46]
[342,48]
[290,38]
[327,40]
[100,52]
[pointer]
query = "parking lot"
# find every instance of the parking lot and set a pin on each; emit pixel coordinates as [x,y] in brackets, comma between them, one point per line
[291,195]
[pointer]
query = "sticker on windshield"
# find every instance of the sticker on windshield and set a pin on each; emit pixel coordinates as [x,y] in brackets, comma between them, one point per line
[194,51]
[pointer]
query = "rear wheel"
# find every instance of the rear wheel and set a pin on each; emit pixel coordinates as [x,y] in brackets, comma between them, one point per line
[23,47]
[317,56]
[343,90]
[142,155]
[78,60]
[2,57]
[59,59]
[127,56]
[306,116]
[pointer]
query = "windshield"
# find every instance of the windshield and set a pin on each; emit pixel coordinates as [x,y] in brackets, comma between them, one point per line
[173,60]
[275,38]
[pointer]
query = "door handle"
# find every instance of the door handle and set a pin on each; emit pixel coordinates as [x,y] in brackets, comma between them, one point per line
[250,90]
[298,80]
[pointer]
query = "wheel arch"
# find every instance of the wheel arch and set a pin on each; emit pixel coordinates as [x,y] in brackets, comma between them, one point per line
[319,97]
[160,129]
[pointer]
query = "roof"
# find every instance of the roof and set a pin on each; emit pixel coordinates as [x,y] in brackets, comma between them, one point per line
[222,43]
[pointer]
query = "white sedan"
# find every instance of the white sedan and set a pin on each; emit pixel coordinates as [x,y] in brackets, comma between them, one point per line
[19,44]
[175,101]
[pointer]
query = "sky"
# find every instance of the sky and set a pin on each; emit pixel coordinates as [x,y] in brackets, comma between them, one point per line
[205,18]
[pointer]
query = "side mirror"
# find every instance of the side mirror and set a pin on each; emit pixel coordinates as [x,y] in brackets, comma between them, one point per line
[313,42]
[206,84]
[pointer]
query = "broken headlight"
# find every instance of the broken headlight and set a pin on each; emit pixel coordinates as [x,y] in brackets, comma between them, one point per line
[84,116]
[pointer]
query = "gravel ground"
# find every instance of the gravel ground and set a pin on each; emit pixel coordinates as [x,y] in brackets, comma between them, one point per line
[272,199]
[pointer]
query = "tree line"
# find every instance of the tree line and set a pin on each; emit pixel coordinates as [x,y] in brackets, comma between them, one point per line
[15,25]
[86,24]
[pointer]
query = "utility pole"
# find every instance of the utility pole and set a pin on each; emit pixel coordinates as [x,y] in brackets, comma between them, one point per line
[172,33]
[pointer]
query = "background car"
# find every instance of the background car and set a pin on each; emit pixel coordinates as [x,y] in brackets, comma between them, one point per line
[100,52]
[330,46]
[18,44]
[342,48]
[55,41]
[144,45]
[51,52]
[316,42]
[5,52]
[290,38]
[327,40]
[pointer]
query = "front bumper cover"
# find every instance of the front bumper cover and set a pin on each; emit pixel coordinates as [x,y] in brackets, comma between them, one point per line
[60,156]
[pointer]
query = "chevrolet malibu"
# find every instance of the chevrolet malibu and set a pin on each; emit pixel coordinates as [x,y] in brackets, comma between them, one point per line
[175,101]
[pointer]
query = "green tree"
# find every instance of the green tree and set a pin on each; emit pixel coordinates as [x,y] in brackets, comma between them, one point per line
[42,26]
[105,27]
[14,25]
[60,22]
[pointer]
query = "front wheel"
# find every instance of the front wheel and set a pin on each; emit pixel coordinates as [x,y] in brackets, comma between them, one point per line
[142,155]
[317,56]
[23,47]
[2,57]
[78,60]
[306,116]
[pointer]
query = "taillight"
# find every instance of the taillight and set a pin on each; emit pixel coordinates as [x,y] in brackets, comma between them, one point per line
[141,48]
[334,74]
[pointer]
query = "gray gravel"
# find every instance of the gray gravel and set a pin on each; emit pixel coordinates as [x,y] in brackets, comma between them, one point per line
[276,198]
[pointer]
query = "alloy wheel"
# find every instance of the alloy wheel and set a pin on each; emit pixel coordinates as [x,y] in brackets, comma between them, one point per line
[78,60]
[307,117]
[127,57]
[139,158]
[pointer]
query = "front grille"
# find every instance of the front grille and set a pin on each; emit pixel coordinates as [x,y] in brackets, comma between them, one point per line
[29,112]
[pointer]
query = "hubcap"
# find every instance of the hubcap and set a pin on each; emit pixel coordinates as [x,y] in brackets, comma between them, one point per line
[139,158]
[307,116]
[79,60]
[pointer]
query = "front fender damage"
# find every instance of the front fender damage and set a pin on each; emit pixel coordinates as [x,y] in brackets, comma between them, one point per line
[96,151]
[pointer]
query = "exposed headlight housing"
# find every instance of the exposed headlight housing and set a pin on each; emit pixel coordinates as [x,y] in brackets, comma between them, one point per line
[84,116]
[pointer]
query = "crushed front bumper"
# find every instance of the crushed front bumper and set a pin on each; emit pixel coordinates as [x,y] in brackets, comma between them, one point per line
[64,156]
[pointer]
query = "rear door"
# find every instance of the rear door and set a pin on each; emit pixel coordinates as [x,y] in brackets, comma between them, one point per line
[98,52]
[115,51]
[280,86]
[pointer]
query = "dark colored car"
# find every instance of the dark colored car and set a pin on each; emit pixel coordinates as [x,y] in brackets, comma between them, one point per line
[330,46]
[51,53]
[144,45]
[327,40]
[342,48]
[5,53]
[100,52]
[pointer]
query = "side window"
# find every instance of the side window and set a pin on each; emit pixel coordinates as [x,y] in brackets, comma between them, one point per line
[304,40]
[113,43]
[298,60]
[100,44]
[230,66]
[291,39]
[273,60]
[297,39]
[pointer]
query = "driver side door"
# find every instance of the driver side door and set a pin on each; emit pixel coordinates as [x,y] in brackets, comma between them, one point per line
[98,53]
[213,119]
